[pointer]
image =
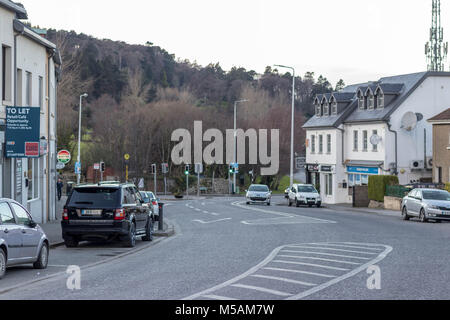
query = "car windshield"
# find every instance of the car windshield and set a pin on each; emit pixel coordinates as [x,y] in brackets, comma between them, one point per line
[307,189]
[259,188]
[145,197]
[95,198]
[436,195]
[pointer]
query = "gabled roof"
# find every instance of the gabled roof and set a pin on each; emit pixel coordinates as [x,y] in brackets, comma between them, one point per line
[332,120]
[31,34]
[20,11]
[391,88]
[343,96]
[444,116]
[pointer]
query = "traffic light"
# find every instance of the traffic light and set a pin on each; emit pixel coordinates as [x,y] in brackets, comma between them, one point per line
[231,169]
[187,169]
[102,167]
[153,169]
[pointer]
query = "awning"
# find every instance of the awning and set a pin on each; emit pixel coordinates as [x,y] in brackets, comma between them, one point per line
[364,163]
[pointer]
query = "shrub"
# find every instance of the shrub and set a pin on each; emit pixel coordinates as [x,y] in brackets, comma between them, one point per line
[377,186]
[447,187]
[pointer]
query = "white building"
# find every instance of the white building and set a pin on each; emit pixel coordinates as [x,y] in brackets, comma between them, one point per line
[381,129]
[29,68]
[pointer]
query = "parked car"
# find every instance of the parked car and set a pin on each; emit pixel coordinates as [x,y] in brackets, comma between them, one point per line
[155,202]
[427,204]
[22,241]
[106,212]
[304,194]
[147,201]
[258,193]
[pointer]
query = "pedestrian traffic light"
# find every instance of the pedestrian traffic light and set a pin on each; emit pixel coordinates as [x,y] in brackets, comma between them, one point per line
[102,167]
[231,169]
[186,170]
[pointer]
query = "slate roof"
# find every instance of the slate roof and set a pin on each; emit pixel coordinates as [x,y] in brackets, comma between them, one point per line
[402,86]
[444,116]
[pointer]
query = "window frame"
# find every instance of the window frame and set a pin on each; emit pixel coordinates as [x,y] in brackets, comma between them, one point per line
[328,143]
[29,89]
[374,147]
[313,144]
[320,144]
[12,213]
[365,141]
[33,180]
[355,140]
[29,218]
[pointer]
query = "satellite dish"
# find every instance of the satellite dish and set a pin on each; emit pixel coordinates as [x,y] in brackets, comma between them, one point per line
[375,140]
[419,117]
[409,121]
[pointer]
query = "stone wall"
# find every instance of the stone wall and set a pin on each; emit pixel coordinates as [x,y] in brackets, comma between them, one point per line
[392,203]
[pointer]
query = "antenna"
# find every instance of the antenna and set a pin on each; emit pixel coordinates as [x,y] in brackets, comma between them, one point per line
[409,121]
[436,50]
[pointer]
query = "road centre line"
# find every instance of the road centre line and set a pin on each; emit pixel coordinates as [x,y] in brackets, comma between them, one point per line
[208,222]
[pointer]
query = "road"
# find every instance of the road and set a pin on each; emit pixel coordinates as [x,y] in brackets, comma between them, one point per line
[224,249]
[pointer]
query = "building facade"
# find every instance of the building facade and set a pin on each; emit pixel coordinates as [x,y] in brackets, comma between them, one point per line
[441,147]
[29,68]
[380,130]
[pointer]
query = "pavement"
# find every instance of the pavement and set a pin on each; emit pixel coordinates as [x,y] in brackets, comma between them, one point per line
[224,249]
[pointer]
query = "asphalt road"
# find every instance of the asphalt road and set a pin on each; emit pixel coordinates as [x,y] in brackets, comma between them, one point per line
[224,249]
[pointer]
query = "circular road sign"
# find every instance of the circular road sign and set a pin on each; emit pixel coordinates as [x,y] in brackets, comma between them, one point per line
[60,166]
[64,157]
[127,156]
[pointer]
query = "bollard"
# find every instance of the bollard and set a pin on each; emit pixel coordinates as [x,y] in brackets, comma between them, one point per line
[161,216]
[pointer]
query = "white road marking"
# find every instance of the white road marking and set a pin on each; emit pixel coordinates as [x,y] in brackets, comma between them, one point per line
[275,292]
[286,218]
[208,222]
[347,246]
[326,254]
[300,271]
[271,263]
[284,280]
[215,214]
[214,297]
[205,212]
[311,265]
[321,259]
[333,249]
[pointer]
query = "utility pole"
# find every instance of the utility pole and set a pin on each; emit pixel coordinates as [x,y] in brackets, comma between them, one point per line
[235,141]
[84,95]
[436,50]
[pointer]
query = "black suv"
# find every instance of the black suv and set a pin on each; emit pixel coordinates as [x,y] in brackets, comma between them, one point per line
[106,212]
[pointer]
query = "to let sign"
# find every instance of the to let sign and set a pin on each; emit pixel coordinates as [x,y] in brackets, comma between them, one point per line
[22,132]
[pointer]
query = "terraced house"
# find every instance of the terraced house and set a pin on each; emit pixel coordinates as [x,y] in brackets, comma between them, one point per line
[374,128]
[29,76]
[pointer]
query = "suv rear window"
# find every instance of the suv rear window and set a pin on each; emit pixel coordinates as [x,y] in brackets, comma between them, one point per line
[95,198]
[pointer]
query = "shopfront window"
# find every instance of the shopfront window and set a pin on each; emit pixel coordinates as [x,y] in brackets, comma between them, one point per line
[329,184]
[351,180]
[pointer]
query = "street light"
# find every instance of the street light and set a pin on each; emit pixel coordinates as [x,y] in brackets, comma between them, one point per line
[85,95]
[292,122]
[235,142]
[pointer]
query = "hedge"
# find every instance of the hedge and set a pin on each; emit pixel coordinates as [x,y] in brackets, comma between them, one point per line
[447,187]
[377,186]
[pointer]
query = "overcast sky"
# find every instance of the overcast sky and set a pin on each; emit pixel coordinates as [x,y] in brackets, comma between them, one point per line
[357,40]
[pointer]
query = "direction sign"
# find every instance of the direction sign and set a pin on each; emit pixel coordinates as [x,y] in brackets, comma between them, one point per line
[198,168]
[78,168]
[64,156]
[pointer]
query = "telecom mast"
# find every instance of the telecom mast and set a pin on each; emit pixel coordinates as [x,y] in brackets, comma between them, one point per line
[436,50]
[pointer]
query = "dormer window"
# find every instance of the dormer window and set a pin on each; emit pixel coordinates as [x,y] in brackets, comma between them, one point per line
[371,101]
[380,100]
[333,106]
[361,100]
[326,109]
[318,110]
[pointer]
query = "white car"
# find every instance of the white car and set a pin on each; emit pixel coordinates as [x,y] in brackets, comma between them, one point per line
[304,194]
[259,194]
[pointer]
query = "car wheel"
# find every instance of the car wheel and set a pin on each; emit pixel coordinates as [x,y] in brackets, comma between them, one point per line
[319,205]
[438,221]
[2,263]
[297,203]
[130,240]
[248,203]
[71,242]
[149,231]
[268,204]
[405,214]
[42,260]
[290,203]
[422,216]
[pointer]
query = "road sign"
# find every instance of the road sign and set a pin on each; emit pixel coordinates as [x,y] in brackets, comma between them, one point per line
[300,163]
[198,168]
[165,168]
[78,168]
[96,166]
[64,157]
[126,157]
[60,166]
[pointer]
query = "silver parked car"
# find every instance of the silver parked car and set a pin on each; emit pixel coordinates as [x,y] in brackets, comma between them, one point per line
[258,193]
[22,241]
[427,204]
[304,194]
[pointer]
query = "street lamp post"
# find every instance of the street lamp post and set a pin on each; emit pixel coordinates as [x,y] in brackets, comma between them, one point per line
[292,122]
[235,142]
[85,95]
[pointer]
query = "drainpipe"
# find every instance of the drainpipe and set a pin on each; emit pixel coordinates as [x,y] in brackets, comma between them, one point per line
[342,145]
[396,147]
[49,168]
